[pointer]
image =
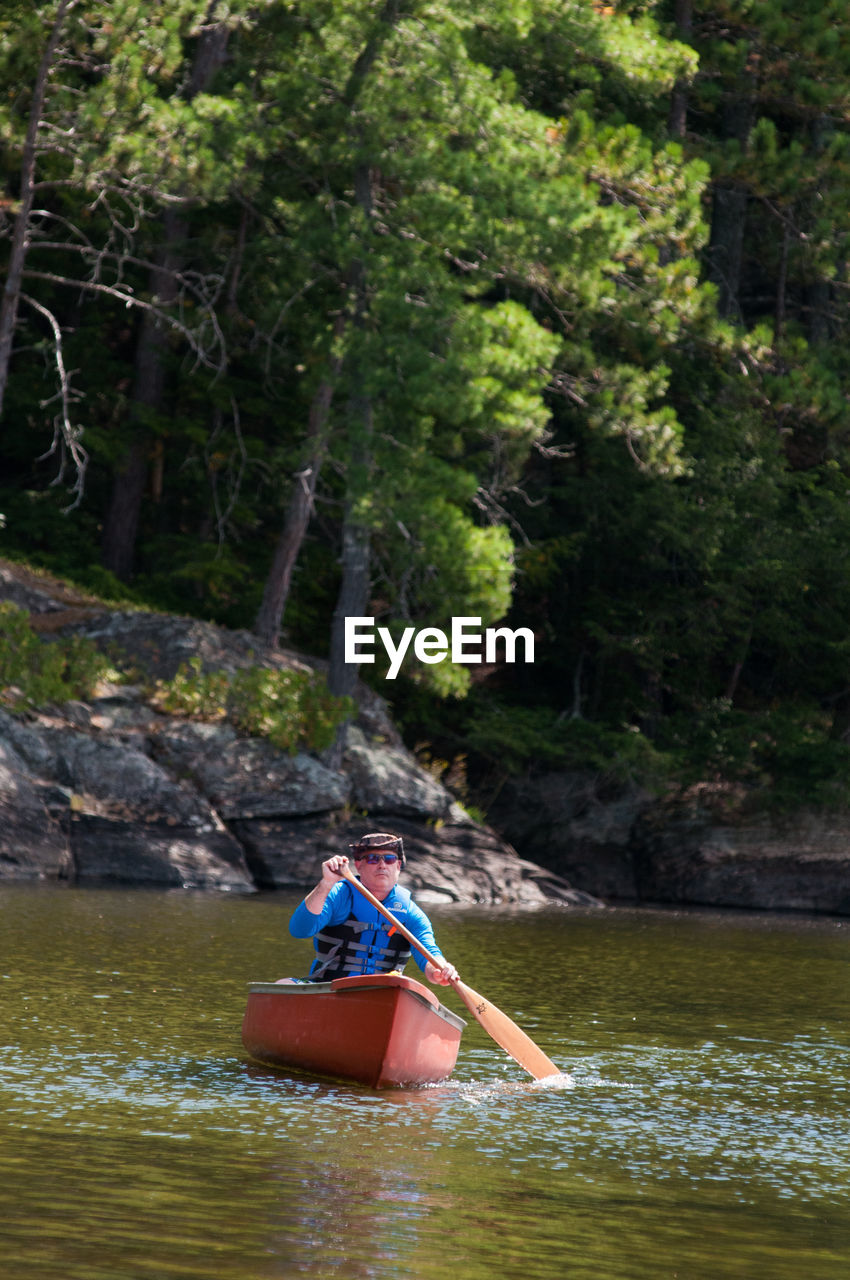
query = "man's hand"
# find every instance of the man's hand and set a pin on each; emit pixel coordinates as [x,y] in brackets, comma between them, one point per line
[442,973]
[332,869]
[331,875]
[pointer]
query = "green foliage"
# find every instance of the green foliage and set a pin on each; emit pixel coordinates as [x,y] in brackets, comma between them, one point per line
[783,758]
[785,755]
[38,531]
[292,709]
[35,672]
[562,432]
[517,739]
[559,50]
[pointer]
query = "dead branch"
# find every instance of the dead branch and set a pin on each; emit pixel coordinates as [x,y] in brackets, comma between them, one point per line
[66,437]
[497,513]
[234,481]
[128,298]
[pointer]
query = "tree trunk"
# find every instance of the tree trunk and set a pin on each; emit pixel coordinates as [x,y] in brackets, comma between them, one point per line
[782,285]
[235,271]
[388,17]
[121,526]
[819,304]
[300,509]
[354,588]
[353,598]
[840,727]
[726,247]
[729,211]
[684,19]
[819,293]
[210,53]
[20,245]
[738,666]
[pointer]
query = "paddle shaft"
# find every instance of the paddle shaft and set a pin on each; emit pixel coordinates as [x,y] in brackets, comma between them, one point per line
[497,1024]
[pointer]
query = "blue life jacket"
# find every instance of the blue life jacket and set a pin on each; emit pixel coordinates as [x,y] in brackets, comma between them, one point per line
[359,945]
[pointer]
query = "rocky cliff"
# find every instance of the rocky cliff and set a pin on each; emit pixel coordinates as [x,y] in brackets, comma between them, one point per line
[114,791]
[714,845]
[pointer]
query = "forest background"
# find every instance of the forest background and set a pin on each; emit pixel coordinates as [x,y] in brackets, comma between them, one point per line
[534,310]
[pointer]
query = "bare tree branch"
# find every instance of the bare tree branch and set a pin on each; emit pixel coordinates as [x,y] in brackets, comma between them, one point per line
[234,480]
[126,296]
[66,436]
[497,513]
[195,282]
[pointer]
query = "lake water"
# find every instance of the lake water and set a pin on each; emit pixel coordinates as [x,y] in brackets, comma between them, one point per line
[703,1131]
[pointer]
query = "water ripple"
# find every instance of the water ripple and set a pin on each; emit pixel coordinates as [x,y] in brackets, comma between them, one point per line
[136,1140]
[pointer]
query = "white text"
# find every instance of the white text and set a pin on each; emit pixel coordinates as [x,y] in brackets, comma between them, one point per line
[431,644]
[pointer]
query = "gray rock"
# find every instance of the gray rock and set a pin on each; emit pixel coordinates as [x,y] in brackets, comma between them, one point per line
[577,825]
[116,780]
[689,851]
[25,589]
[287,853]
[33,844]
[469,862]
[708,847]
[131,852]
[456,861]
[84,807]
[33,750]
[159,644]
[248,777]
[385,778]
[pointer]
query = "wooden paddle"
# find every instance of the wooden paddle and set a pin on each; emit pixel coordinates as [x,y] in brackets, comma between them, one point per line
[512,1039]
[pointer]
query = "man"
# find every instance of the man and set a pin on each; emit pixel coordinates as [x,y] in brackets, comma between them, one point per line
[349,934]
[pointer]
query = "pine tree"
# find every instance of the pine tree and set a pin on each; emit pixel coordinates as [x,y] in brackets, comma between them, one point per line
[109,140]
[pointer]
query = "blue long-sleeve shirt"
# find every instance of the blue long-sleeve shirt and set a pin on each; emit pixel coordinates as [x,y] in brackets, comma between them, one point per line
[339,907]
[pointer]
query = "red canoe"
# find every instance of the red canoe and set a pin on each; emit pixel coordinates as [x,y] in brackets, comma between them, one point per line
[380,1029]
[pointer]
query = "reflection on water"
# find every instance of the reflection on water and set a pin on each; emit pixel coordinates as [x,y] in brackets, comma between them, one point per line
[700,1128]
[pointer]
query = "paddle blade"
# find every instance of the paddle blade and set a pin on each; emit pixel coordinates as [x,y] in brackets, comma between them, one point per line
[513,1040]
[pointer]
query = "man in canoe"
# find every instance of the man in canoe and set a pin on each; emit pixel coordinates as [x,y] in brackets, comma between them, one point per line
[349,934]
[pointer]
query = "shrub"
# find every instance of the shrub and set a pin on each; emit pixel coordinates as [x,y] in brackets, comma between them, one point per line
[292,709]
[35,672]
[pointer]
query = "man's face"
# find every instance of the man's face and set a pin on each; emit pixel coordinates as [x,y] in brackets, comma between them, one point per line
[379,875]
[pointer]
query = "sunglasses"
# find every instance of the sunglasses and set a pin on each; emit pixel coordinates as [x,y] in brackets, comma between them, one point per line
[373,858]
